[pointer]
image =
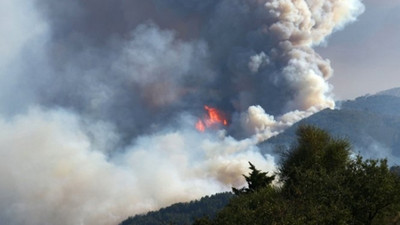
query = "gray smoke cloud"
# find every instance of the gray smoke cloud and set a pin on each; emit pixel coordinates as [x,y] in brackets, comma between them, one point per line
[52,173]
[98,99]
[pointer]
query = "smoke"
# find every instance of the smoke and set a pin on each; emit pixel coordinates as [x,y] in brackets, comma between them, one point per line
[98,99]
[371,148]
[263,126]
[53,174]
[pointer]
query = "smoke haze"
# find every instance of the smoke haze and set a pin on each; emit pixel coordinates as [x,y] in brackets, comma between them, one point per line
[98,99]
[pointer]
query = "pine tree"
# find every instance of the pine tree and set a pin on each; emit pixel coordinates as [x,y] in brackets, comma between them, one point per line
[255,181]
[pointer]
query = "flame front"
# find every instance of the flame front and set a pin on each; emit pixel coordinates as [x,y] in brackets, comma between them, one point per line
[213,119]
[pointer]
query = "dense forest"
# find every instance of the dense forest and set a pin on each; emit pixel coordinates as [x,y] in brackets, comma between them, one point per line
[318,182]
[183,213]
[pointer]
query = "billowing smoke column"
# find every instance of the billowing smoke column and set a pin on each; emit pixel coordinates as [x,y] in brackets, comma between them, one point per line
[99,99]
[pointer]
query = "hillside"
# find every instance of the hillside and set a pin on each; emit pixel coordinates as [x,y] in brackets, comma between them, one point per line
[371,123]
[392,92]
[182,213]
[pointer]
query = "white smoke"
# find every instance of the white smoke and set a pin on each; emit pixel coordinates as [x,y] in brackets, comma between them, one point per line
[52,173]
[91,135]
[300,25]
[263,126]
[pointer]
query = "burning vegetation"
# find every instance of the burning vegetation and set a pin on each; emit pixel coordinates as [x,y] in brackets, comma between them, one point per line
[213,119]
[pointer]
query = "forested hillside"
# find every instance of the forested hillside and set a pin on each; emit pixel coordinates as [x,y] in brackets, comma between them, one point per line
[183,213]
[370,123]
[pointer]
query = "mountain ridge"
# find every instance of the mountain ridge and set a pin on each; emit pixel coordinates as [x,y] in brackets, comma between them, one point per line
[371,123]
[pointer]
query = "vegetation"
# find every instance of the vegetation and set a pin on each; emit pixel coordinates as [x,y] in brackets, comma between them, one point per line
[183,213]
[395,170]
[320,183]
[370,123]
[256,181]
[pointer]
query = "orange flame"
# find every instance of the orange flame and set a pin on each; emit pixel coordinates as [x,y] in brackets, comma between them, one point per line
[213,118]
[200,126]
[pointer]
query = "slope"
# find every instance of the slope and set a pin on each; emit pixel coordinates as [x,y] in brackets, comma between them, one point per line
[182,213]
[370,123]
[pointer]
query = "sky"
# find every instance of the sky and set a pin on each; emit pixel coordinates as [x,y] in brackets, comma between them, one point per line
[365,55]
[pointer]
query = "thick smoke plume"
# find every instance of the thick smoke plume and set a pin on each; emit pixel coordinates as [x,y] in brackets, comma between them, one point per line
[98,98]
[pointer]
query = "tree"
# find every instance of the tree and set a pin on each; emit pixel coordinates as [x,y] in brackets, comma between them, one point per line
[395,170]
[320,184]
[311,173]
[255,181]
[374,191]
[315,151]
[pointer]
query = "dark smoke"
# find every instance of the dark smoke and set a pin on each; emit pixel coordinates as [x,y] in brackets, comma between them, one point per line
[123,60]
[98,98]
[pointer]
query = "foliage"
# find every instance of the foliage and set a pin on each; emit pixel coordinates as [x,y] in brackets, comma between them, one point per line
[320,184]
[395,170]
[374,191]
[255,181]
[182,213]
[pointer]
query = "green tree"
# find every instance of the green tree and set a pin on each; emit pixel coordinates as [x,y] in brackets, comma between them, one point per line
[255,180]
[395,170]
[316,151]
[374,191]
[312,174]
[320,184]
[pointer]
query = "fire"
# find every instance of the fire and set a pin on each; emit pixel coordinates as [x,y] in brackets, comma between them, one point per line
[200,126]
[214,118]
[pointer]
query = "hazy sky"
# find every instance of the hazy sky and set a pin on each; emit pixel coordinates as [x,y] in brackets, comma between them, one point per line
[366,54]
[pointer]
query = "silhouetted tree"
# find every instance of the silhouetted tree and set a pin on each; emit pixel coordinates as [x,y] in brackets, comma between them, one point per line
[255,181]
[374,191]
[320,184]
[395,170]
